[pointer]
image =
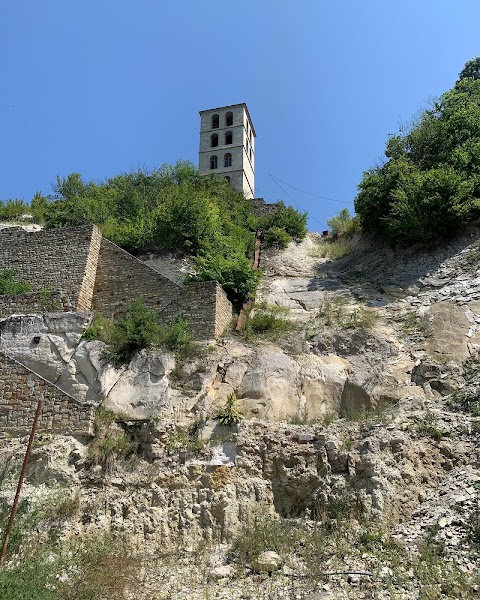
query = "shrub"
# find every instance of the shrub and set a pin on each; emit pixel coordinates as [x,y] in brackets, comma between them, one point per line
[229,414]
[275,237]
[338,313]
[137,329]
[99,329]
[110,443]
[266,318]
[342,224]
[10,284]
[332,249]
[286,218]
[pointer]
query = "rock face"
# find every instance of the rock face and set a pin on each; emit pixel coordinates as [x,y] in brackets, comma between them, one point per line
[342,420]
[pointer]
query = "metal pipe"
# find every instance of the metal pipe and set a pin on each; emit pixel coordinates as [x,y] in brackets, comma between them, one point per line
[20,483]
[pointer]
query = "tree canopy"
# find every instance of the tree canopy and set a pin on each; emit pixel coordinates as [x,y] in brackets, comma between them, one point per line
[429,186]
[173,208]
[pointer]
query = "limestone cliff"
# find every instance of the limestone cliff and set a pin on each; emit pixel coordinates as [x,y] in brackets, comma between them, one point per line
[359,414]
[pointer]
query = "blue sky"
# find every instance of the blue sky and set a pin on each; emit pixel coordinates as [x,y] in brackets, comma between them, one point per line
[103,86]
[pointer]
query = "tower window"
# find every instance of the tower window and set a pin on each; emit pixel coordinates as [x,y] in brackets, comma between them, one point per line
[229,119]
[228,160]
[251,155]
[215,122]
[227,178]
[214,140]
[228,137]
[213,162]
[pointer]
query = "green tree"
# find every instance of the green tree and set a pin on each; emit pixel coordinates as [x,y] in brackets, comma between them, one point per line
[471,69]
[429,186]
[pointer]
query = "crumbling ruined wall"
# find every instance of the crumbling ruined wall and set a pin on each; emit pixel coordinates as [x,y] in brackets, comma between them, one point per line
[20,391]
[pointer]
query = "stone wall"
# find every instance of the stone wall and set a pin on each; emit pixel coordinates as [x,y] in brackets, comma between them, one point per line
[121,278]
[75,269]
[62,261]
[206,307]
[37,302]
[20,390]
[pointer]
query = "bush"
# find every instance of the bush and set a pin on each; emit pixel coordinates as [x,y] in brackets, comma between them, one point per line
[286,218]
[275,237]
[332,249]
[266,318]
[342,224]
[137,329]
[429,186]
[229,414]
[10,284]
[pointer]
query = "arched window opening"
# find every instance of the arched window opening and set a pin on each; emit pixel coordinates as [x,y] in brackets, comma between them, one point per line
[215,122]
[214,140]
[251,158]
[229,119]
[228,160]
[228,137]
[227,178]
[213,162]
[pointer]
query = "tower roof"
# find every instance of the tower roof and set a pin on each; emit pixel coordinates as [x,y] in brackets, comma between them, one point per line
[200,112]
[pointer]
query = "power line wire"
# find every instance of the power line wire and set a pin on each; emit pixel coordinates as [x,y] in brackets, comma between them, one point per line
[309,193]
[297,203]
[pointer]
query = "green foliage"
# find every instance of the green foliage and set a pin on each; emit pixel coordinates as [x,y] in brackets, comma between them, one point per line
[110,443]
[10,284]
[286,218]
[13,210]
[260,533]
[232,269]
[137,329]
[229,414]
[338,313]
[342,224]
[99,329]
[331,249]
[471,69]
[172,207]
[429,187]
[266,318]
[276,237]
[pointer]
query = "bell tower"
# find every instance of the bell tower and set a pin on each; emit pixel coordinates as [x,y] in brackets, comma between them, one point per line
[227,146]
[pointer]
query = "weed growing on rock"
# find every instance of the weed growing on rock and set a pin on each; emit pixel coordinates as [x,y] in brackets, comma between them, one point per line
[336,312]
[428,428]
[11,284]
[331,249]
[229,414]
[110,443]
[267,320]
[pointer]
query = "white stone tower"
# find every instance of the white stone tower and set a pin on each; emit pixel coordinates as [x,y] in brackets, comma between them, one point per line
[227,146]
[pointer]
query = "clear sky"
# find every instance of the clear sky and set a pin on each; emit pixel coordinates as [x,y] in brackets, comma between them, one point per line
[100,87]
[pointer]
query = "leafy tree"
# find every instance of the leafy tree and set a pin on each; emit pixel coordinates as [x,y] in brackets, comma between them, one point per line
[430,185]
[471,69]
[172,207]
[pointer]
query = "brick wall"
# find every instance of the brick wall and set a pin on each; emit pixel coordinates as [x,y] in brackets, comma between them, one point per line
[54,259]
[20,390]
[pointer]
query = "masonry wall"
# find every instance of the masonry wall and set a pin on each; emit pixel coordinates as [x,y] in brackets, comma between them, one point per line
[64,261]
[32,302]
[206,307]
[121,278]
[20,390]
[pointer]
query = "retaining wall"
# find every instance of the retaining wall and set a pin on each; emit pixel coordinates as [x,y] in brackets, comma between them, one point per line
[63,261]
[20,390]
